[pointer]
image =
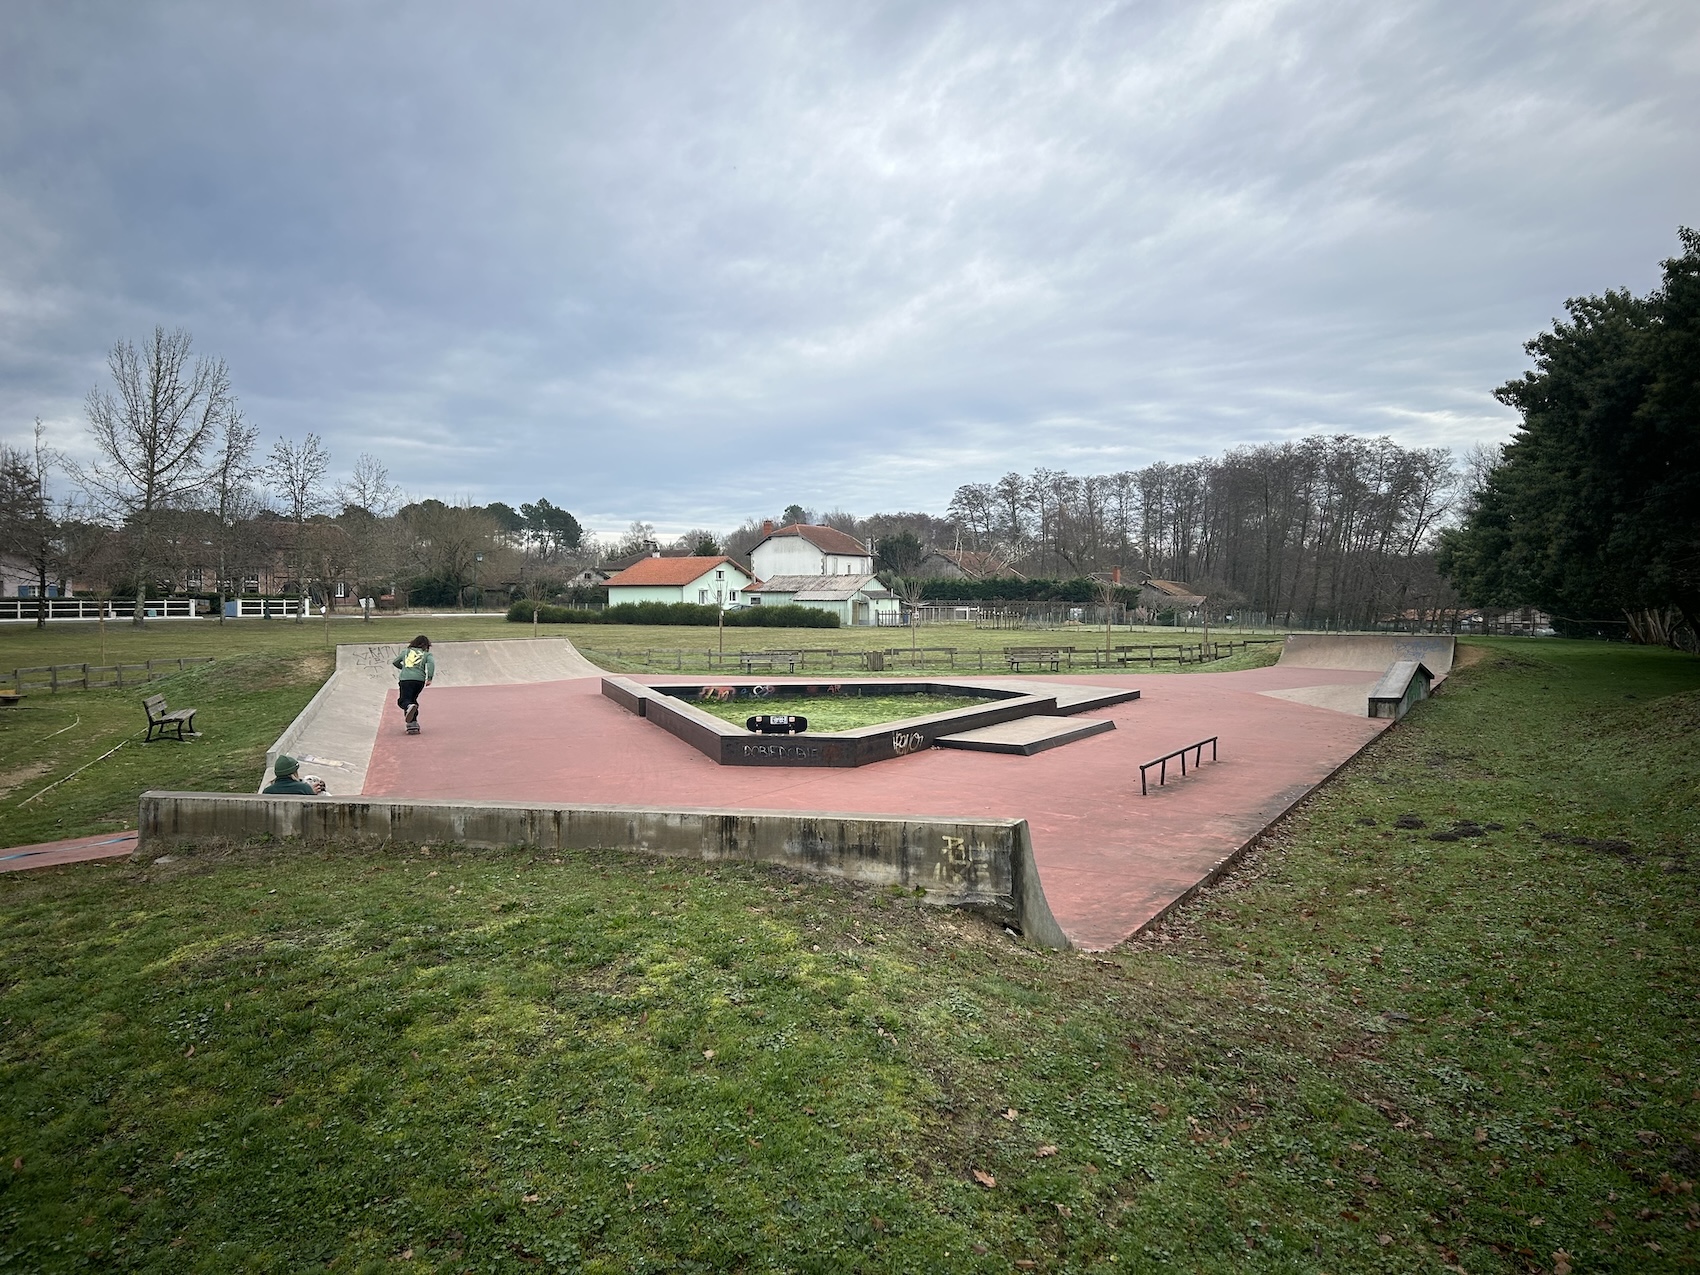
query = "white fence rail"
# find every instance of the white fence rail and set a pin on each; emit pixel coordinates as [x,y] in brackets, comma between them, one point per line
[24,610]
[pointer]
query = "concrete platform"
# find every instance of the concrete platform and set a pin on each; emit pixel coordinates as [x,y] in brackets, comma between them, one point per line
[333,736]
[1027,735]
[1109,862]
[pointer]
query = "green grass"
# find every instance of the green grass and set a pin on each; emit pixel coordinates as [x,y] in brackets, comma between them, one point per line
[840,712]
[1367,1050]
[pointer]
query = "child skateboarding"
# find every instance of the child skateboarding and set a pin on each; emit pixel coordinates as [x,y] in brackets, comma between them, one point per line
[417,668]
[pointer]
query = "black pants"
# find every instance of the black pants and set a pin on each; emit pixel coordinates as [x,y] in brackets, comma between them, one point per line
[408,692]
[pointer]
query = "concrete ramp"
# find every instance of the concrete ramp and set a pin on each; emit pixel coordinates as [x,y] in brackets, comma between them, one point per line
[1371,652]
[333,736]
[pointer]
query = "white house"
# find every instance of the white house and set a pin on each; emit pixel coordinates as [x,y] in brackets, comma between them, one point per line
[706,581]
[802,550]
[857,599]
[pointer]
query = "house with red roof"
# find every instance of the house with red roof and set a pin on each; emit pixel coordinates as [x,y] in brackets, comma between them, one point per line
[804,550]
[717,581]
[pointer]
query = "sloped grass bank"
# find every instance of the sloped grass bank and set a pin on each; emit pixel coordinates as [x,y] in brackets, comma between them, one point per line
[1369,1051]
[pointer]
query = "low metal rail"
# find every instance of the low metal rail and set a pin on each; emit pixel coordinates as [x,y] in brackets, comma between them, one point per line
[1162,763]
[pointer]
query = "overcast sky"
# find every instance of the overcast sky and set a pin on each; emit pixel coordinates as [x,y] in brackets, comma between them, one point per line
[691,262]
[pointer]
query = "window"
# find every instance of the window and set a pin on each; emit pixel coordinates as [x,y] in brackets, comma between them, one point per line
[250,584]
[341,589]
[719,575]
[195,583]
[755,599]
[702,595]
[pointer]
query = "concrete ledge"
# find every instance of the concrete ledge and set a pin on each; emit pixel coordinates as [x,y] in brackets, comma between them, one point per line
[731,745]
[1400,688]
[1027,735]
[985,864]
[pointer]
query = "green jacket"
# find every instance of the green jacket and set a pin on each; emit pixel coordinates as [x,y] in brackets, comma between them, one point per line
[288,788]
[415,665]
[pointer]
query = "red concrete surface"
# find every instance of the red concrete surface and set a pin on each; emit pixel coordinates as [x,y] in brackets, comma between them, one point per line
[106,845]
[1110,860]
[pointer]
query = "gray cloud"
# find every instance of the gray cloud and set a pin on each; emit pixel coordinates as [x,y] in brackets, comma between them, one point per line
[688,262]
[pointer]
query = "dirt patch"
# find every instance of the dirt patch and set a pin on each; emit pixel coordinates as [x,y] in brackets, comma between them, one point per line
[1465,655]
[11,779]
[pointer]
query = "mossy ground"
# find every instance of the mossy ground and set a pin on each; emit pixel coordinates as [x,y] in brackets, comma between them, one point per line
[1367,1050]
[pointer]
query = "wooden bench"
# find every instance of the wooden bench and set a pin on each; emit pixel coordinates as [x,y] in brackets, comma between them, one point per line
[162,717]
[1016,656]
[769,660]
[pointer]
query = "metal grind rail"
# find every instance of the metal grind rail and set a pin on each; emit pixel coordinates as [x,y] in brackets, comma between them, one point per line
[1162,763]
[94,677]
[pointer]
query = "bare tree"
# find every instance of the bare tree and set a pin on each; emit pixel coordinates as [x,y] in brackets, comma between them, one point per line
[228,479]
[296,471]
[369,488]
[150,435]
[28,527]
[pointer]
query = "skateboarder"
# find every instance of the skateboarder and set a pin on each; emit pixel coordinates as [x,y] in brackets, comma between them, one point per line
[417,668]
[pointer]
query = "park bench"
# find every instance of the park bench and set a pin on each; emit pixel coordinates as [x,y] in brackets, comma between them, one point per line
[162,717]
[1016,656]
[751,661]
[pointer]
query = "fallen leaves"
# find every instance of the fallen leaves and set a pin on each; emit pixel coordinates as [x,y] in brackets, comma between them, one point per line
[1010,1113]
[708,1053]
[1560,1262]
[985,1179]
[1046,1150]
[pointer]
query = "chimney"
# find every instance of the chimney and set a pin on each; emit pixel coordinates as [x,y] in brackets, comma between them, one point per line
[767,526]
[1116,576]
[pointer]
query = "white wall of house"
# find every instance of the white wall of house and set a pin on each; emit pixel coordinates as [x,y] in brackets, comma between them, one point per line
[722,586]
[795,556]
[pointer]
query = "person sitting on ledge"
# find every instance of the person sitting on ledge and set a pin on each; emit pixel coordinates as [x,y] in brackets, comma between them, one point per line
[289,782]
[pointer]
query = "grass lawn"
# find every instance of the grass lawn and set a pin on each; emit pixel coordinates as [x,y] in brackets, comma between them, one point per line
[1368,1050]
[839,712]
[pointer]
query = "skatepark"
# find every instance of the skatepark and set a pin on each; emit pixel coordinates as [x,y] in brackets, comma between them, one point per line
[515,732]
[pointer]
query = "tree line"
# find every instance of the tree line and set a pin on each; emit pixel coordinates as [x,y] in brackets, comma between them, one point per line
[180,497]
[1592,511]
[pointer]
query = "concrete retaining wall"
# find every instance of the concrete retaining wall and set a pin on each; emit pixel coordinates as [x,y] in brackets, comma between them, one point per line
[980,863]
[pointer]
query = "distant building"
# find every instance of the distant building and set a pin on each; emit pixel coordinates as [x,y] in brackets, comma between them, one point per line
[718,581]
[1157,596]
[804,550]
[858,599]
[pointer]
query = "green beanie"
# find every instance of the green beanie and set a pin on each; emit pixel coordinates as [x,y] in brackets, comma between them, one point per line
[285,766]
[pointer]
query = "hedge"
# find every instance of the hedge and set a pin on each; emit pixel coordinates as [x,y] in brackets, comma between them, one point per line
[678,613]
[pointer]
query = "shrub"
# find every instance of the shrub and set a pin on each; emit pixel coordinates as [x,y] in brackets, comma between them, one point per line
[784,617]
[520,612]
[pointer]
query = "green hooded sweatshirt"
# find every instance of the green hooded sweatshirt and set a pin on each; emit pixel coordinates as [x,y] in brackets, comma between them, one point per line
[415,665]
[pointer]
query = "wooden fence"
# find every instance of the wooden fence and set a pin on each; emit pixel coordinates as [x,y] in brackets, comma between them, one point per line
[93,677]
[832,660]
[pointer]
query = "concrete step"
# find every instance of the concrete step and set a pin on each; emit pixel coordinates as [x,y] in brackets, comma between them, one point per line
[1083,699]
[1027,735]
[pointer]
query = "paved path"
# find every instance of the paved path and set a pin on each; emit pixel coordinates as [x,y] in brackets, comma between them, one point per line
[333,736]
[105,845]
[1110,860]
